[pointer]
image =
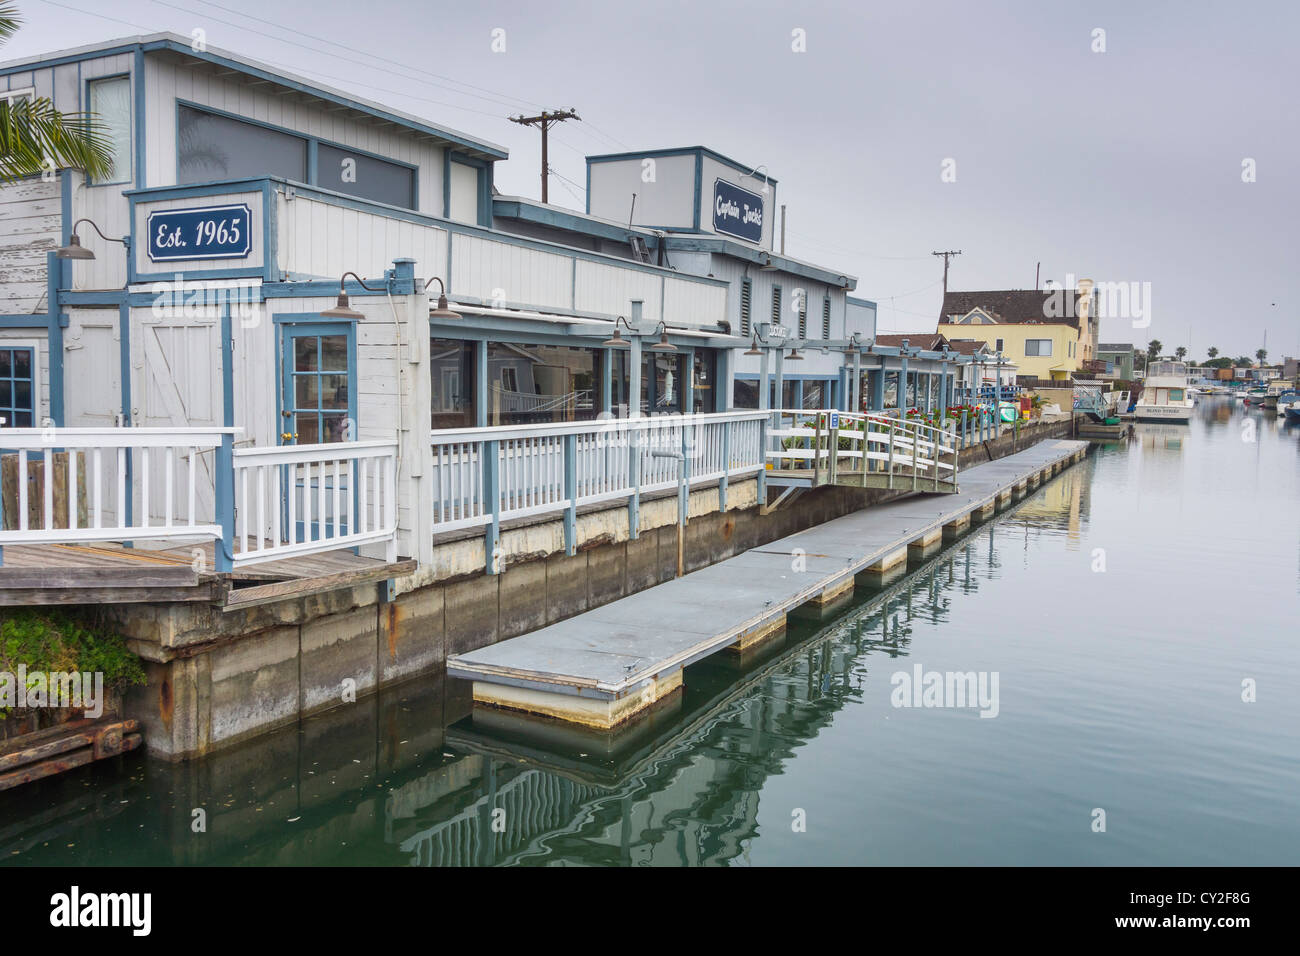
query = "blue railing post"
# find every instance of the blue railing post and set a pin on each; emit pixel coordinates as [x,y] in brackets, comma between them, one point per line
[491,455]
[762,461]
[571,494]
[634,479]
[225,488]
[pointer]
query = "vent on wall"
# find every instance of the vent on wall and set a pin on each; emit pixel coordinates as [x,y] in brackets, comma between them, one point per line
[803,318]
[746,296]
[776,305]
[826,317]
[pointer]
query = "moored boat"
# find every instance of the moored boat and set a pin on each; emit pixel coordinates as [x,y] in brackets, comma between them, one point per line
[1164,395]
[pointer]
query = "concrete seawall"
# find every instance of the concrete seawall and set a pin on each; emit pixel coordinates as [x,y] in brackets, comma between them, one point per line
[218,677]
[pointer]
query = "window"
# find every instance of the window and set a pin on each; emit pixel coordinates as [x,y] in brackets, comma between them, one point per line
[1039,347]
[217,147]
[532,384]
[365,176]
[110,101]
[826,317]
[452,364]
[318,397]
[746,296]
[744,393]
[17,386]
[998,347]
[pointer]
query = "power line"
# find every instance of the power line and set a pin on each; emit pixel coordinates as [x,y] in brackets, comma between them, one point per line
[946,256]
[543,122]
[503,99]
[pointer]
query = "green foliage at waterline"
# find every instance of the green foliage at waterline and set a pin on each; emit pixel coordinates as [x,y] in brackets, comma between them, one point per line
[56,641]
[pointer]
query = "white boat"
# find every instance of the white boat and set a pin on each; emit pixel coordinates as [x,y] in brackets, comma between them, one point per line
[1164,395]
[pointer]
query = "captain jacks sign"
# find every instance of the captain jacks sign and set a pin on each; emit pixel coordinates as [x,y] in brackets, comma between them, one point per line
[737,212]
[210,232]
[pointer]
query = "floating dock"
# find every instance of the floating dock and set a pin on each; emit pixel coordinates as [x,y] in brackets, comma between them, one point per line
[606,666]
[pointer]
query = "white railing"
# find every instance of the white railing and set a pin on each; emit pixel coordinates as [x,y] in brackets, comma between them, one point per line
[834,444]
[305,499]
[482,475]
[109,484]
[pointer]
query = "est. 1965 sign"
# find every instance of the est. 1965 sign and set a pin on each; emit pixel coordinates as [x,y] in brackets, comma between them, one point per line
[737,212]
[212,232]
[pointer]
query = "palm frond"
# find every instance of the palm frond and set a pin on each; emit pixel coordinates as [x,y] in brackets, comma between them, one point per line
[10,21]
[35,137]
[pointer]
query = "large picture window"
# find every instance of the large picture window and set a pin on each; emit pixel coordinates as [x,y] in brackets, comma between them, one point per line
[1039,347]
[110,101]
[212,147]
[534,384]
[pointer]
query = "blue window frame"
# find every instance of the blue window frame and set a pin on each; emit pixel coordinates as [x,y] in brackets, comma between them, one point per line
[17,386]
[318,383]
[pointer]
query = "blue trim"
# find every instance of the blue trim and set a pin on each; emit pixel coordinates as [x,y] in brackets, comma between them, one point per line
[302,324]
[139,119]
[699,188]
[714,242]
[526,211]
[124,358]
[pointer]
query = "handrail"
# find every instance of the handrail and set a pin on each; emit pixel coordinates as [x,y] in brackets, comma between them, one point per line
[441,436]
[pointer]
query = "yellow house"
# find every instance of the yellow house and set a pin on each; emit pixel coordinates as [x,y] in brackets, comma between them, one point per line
[1047,333]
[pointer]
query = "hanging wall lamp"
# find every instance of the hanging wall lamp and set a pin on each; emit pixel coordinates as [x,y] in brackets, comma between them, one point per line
[75,250]
[442,311]
[342,310]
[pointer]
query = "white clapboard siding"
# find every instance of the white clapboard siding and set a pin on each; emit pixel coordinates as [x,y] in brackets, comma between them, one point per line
[493,270]
[608,289]
[325,239]
[693,303]
[30,229]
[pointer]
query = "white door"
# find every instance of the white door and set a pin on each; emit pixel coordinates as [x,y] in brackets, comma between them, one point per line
[92,368]
[176,383]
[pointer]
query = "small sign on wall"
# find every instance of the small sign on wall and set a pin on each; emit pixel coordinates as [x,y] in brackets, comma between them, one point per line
[210,232]
[737,212]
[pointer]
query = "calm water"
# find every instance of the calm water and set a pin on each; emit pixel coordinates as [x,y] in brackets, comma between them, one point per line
[1119,689]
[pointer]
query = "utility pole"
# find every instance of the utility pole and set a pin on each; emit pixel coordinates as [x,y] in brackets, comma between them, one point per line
[946,256]
[544,121]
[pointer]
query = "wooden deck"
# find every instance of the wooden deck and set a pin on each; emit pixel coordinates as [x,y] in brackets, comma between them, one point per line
[603,666]
[45,574]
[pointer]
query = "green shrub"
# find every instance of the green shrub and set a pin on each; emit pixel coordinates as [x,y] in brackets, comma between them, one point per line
[50,640]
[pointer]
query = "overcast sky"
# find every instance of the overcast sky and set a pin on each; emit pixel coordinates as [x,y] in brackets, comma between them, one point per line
[1124,165]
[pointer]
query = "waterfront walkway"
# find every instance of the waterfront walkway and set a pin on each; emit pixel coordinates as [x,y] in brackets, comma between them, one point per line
[602,667]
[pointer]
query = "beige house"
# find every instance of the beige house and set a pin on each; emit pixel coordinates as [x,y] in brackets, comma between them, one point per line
[1047,333]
